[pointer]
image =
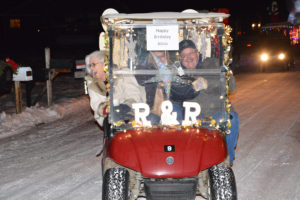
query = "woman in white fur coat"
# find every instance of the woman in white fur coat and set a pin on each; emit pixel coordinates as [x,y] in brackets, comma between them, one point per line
[126,89]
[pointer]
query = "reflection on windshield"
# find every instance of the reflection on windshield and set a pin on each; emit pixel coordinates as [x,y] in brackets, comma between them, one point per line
[159,88]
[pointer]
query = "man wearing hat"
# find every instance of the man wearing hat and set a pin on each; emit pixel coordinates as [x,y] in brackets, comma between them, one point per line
[189,55]
[191,59]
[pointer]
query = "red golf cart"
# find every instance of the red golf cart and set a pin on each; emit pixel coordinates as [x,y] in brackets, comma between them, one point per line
[165,132]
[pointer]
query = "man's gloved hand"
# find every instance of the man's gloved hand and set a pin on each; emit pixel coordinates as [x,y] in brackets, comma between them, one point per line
[122,108]
[122,112]
[200,84]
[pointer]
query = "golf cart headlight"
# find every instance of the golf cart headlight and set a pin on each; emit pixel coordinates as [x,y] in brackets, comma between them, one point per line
[281,56]
[264,57]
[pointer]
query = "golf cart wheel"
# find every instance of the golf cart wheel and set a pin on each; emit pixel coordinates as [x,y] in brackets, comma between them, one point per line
[115,184]
[221,183]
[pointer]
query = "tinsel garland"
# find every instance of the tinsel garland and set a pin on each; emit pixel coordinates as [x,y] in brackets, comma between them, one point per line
[226,42]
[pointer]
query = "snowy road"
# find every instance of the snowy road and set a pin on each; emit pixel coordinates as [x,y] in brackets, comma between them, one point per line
[57,160]
[267,164]
[53,161]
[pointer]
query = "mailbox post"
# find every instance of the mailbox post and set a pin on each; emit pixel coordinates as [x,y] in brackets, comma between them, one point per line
[49,81]
[23,74]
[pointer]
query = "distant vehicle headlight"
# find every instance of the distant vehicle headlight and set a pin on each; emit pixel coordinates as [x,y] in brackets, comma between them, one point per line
[264,57]
[281,56]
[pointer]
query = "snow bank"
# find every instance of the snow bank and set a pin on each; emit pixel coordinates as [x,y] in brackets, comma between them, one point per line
[16,123]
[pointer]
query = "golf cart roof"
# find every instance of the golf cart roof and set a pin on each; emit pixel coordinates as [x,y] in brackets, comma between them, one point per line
[112,16]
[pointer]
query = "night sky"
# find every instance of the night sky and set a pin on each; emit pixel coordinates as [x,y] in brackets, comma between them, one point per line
[48,22]
[238,8]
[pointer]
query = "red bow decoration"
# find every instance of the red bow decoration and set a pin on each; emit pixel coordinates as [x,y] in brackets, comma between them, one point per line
[13,64]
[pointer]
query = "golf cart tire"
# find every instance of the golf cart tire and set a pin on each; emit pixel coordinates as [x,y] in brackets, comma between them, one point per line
[115,184]
[222,183]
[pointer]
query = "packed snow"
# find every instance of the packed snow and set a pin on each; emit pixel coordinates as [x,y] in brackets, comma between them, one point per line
[68,96]
[50,153]
[35,115]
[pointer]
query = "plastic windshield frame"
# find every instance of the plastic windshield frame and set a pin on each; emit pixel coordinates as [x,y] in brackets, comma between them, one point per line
[113,28]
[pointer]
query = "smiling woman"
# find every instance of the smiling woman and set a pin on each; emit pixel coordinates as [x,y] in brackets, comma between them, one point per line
[95,83]
[97,68]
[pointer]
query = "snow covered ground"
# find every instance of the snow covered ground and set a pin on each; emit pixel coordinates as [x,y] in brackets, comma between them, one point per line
[53,156]
[55,160]
[68,96]
[267,163]
[36,115]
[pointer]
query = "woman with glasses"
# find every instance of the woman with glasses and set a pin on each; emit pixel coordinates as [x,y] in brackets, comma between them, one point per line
[96,84]
[126,89]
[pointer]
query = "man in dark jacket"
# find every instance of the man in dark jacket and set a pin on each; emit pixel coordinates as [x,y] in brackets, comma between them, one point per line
[191,59]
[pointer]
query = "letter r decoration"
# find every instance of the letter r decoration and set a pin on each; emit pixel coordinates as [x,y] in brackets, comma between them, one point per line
[141,111]
[190,116]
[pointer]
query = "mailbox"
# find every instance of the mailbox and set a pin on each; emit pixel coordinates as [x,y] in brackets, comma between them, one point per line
[80,69]
[23,74]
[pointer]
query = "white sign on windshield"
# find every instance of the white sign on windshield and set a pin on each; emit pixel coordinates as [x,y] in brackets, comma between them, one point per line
[160,38]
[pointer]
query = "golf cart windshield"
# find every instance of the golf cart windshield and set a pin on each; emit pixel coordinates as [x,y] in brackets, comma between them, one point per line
[150,86]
